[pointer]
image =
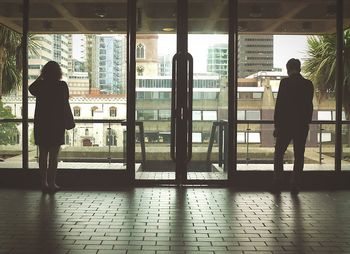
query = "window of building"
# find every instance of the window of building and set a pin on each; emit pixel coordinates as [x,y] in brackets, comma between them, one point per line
[140,51]
[253,115]
[111,137]
[251,137]
[197,137]
[324,115]
[257,95]
[164,137]
[93,109]
[164,114]
[326,137]
[241,115]
[196,115]
[147,114]
[152,137]
[210,115]
[76,111]
[112,111]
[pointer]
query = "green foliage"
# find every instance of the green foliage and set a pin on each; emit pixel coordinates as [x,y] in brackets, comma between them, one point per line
[320,66]
[8,131]
[11,57]
[11,77]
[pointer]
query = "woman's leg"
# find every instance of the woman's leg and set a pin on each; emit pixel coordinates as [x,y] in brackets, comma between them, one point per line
[53,154]
[43,152]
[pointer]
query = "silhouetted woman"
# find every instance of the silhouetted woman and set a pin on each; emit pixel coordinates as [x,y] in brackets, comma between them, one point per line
[51,95]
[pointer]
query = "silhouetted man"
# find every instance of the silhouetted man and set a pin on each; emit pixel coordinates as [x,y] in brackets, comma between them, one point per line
[293,113]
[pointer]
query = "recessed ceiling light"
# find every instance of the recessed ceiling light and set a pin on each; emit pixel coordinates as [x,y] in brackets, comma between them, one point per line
[168,29]
[331,10]
[255,11]
[100,12]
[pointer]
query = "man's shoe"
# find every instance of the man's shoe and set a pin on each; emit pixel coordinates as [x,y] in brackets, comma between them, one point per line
[294,190]
[276,187]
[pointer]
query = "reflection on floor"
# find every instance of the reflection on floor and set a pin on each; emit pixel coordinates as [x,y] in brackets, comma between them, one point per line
[174,220]
[190,175]
[71,165]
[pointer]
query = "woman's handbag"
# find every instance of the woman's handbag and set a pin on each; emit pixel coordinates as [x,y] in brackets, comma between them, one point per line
[68,117]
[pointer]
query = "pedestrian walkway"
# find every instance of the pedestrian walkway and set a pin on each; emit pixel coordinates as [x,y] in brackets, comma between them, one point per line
[174,220]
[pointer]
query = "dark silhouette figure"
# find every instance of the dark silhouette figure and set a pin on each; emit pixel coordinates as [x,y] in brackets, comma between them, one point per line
[293,114]
[49,128]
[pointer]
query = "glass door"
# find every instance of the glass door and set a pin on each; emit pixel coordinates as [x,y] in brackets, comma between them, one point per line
[155,48]
[181,95]
[208,45]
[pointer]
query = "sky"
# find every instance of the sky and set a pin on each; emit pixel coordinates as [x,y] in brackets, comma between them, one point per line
[285,47]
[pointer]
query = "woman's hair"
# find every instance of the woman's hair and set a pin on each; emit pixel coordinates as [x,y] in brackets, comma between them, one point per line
[51,71]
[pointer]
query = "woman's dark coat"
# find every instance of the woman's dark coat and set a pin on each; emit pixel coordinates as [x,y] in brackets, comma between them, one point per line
[51,97]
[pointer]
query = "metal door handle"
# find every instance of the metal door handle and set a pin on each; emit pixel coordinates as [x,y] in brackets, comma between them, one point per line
[189,105]
[173,107]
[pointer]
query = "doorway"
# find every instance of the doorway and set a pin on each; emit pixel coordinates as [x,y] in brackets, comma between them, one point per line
[181,91]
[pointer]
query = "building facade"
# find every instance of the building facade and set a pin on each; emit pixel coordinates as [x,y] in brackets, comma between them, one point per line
[108,63]
[255,53]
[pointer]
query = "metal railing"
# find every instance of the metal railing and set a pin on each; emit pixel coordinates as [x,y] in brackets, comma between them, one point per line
[139,124]
[222,128]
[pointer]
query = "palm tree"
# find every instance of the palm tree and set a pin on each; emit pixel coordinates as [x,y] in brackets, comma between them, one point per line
[320,66]
[11,58]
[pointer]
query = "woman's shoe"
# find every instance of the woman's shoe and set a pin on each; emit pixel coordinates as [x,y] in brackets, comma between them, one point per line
[45,188]
[54,189]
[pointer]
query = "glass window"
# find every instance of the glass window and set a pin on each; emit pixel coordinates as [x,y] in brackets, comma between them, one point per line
[253,137]
[240,115]
[326,137]
[257,95]
[164,114]
[76,111]
[140,51]
[112,111]
[197,137]
[253,115]
[240,137]
[210,115]
[147,114]
[324,115]
[196,115]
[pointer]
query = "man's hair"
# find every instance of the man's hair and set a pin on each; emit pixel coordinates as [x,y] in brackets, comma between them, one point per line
[293,65]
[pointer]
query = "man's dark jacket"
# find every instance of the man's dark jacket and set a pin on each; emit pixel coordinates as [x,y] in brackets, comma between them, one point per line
[294,103]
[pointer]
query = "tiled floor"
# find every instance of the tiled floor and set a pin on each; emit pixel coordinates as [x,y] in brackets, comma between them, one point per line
[174,220]
[190,175]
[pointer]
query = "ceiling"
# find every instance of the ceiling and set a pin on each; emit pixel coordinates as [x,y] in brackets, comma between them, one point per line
[159,16]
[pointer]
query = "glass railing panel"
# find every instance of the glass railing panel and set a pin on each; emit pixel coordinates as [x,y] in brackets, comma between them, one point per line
[10,144]
[345,163]
[256,147]
[90,145]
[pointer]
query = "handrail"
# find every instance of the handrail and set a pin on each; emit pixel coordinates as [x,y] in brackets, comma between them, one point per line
[81,120]
[19,120]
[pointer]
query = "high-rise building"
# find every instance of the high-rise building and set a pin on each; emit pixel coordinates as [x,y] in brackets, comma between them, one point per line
[51,47]
[217,61]
[61,52]
[107,63]
[255,53]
